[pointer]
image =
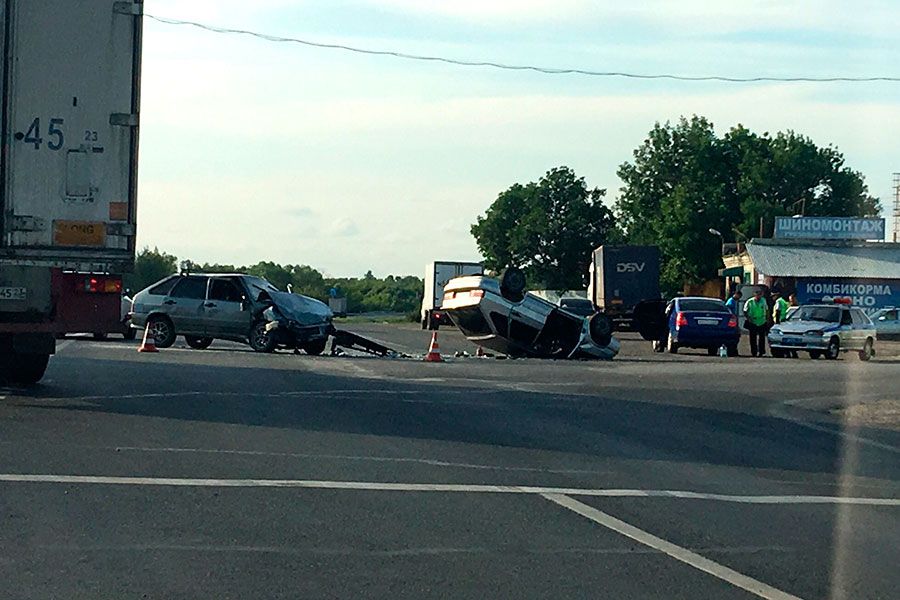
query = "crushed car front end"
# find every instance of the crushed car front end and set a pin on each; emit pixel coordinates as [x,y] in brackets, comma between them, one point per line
[297,321]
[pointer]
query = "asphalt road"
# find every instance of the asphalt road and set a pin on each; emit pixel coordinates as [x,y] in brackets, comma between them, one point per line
[228,474]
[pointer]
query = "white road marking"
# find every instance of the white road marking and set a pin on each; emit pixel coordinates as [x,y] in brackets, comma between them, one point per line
[679,553]
[438,487]
[423,461]
[63,345]
[864,441]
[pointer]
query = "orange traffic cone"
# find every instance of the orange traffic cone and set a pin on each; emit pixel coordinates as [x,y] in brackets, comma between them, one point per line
[434,351]
[149,342]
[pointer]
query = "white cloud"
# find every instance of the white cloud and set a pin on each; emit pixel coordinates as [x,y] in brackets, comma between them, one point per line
[253,151]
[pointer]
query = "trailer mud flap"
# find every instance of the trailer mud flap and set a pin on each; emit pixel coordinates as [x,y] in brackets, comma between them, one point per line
[351,341]
[27,343]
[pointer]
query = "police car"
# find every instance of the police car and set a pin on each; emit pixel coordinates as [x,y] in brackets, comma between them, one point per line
[825,329]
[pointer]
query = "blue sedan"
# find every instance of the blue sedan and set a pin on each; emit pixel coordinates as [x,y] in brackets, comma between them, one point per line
[697,322]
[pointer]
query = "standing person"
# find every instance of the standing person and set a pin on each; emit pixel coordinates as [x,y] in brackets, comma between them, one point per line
[756,313]
[734,302]
[780,307]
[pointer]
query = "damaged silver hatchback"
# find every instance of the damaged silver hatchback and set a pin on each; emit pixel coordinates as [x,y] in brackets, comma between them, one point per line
[237,307]
[501,316]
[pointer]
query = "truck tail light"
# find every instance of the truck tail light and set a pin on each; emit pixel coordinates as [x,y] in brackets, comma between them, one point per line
[96,284]
[680,320]
[732,322]
[477,293]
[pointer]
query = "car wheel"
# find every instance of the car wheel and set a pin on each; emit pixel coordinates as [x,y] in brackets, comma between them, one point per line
[260,340]
[99,336]
[163,331]
[600,328]
[732,350]
[512,284]
[23,369]
[671,346]
[833,350]
[316,348]
[815,354]
[868,351]
[130,333]
[198,343]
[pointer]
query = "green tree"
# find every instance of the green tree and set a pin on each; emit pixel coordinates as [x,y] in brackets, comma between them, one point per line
[684,180]
[547,228]
[149,267]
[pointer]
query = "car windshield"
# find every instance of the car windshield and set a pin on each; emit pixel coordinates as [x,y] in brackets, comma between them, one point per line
[258,284]
[825,314]
[702,304]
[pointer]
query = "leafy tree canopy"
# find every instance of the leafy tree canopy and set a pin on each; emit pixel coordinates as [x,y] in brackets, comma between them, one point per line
[548,228]
[684,180]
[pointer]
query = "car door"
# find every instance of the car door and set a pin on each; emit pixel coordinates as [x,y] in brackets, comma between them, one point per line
[651,319]
[184,305]
[888,324]
[846,332]
[862,327]
[225,315]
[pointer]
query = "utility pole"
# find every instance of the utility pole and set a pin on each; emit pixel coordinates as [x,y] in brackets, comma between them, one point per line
[896,213]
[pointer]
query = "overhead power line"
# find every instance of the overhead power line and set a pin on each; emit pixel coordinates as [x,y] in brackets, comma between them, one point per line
[512,67]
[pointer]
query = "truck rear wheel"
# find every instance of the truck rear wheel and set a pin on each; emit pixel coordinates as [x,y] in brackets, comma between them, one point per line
[23,369]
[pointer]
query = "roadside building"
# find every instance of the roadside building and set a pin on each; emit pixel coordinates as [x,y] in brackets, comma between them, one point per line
[819,263]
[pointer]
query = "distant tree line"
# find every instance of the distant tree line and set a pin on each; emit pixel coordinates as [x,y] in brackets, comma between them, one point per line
[683,181]
[400,294]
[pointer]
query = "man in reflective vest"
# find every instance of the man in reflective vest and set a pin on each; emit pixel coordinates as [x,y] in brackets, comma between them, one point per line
[756,313]
[779,311]
[779,315]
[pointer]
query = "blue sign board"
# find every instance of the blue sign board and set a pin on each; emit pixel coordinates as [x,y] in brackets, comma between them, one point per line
[829,228]
[867,294]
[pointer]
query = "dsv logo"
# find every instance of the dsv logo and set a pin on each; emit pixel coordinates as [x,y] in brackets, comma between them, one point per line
[632,267]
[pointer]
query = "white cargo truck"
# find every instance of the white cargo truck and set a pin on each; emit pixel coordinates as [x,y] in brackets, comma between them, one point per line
[437,274]
[70,78]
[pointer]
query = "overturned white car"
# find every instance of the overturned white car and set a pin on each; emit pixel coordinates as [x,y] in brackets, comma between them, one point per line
[499,315]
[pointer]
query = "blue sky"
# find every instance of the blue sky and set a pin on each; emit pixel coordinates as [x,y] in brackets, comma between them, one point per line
[257,151]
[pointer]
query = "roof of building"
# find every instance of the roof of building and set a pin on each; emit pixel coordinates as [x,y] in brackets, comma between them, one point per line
[860,260]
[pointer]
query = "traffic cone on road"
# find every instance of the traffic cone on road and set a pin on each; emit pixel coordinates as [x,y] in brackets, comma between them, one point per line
[434,350]
[480,353]
[149,342]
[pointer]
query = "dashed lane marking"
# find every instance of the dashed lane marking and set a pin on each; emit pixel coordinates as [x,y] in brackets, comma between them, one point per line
[679,553]
[440,487]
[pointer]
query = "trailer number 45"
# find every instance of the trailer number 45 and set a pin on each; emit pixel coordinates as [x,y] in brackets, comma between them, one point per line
[54,132]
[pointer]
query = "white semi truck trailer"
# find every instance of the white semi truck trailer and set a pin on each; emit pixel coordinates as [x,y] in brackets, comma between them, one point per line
[69,111]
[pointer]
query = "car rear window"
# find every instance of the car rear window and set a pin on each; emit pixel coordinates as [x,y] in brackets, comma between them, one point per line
[164,287]
[859,317]
[702,304]
[578,306]
[193,288]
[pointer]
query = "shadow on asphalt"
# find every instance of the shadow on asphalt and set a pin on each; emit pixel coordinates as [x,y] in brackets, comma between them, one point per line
[597,426]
